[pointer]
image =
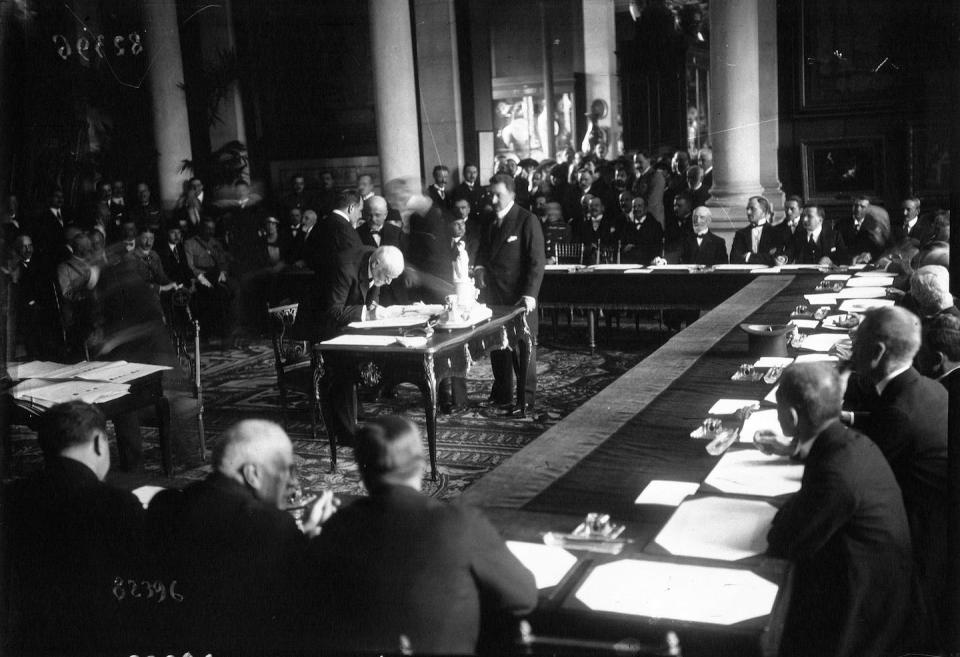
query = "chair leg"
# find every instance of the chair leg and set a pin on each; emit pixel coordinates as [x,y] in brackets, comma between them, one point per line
[283,405]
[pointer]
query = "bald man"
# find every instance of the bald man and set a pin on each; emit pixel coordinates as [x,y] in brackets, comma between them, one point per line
[238,558]
[846,529]
[906,415]
[376,231]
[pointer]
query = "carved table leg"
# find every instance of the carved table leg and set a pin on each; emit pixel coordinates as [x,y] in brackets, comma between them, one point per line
[430,406]
[321,377]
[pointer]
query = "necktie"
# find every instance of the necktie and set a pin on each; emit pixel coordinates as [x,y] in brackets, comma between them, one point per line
[176,254]
[811,241]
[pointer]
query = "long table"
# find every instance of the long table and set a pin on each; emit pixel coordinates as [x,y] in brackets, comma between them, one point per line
[445,354]
[635,431]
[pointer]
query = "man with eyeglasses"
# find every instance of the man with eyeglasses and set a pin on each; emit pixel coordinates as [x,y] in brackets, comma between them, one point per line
[236,554]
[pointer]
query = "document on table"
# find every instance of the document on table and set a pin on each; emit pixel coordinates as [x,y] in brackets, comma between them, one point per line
[666,493]
[724,528]
[357,340]
[805,323]
[761,421]
[76,370]
[735,267]
[821,299]
[121,372]
[657,589]
[391,322]
[837,277]
[34,369]
[41,394]
[547,563]
[751,472]
[816,358]
[731,406]
[863,305]
[822,342]
[862,293]
[870,281]
[773,361]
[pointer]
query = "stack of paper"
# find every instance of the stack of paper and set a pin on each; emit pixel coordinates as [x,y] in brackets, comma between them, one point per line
[37,395]
[32,370]
[114,371]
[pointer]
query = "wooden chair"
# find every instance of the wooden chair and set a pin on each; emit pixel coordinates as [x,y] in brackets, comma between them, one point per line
[568,253]
[529,643]
[292,362]
[185,335]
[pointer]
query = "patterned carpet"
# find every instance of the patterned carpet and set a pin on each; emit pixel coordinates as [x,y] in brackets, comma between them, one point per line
[241,383]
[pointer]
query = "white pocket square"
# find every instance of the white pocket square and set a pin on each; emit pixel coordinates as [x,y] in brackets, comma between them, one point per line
[512,238]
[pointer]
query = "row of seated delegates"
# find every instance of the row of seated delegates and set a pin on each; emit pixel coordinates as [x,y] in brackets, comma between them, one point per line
[220,568]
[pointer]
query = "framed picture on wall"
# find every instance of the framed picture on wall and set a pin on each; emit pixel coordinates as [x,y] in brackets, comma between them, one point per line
[929,170]
[837,169]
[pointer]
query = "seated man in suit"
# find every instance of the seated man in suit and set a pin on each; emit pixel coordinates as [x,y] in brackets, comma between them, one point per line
[816,244]
[599,231]
[678,226]
[702,247]
[906,415]
[863,232]
[236,555]
[643,234]
[556,230]
[401,570]
[846,529]
[913,225]
[760,242]
[930,294]
[66,536]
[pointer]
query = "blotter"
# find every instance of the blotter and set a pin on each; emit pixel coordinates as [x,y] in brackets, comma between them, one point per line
[724,528]
[656,589]
[750,472]
[667,493]
[547,563]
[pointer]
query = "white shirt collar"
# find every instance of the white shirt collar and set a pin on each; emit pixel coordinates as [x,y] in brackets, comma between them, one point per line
[913,222]
[815,233]
[344,215]
[948,372]
[882,384]
[503,212]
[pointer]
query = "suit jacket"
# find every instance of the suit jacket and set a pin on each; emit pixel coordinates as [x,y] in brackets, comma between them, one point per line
[924,231]
[513,256]
[713,250]
[390,235]
[446,202]
[847,532]
[463,191]
[650,186]
[239,564]
[646,239]
[66,536]
[401,563]
[857,241]
[344,295]
[828,245]
[771,244]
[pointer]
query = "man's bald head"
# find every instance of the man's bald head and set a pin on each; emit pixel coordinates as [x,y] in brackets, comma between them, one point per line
[258,454]
[887,339]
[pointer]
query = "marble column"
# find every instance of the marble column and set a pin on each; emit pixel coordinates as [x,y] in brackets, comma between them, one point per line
[398,134]
[218,37]
[600,66]
[171,129]
[735,108]
[769,106]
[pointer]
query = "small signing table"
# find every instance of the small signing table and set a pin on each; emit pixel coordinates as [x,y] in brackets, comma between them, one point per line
[371,359]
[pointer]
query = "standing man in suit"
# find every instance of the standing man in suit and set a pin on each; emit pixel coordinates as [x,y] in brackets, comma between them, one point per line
[649,184]
[846,529]
[376,232]
[905,414]
[469,188]
[48,231]
[438,190]
[298,198]
[399,569]
[759,243]
[815,243]
[510,264]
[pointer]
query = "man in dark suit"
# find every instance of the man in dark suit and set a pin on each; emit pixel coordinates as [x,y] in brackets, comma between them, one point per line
[815,244]
[913,225]
[642,234]
[679,226]
[860,233]
[68,538]
[236,555]
[469,188]
[298,197]
[510,264]
[906,415]
[598,229]
[47,230]
[145,212]
[649,184]
[376,232]
[438,192]
[402,571]
[305,245]
[758,243]
[34,304]
[702,247]
[846,529]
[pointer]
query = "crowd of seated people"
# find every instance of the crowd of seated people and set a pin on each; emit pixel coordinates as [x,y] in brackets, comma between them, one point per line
[221,567]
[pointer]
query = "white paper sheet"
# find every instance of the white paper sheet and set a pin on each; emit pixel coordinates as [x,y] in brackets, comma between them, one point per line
[871,274]
[356,340]
[822,342]
[870,281]
[76,369]
[862,293]
[612,267]
[729,406]
[772,395]
[715,527]
[562,267]
[821,299]
[391,322]
[773,361]
[765,420]
[765,270]
[121,372]
[863,305]
[666,493]
[805,323]
[751,472]
[799,267]
[673,267]
[837,277]
[146,493]
[735,267]
[816,358]
[46,393]
[35,369]
[857,268]
[655,589]
[637,271]
[547,563]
